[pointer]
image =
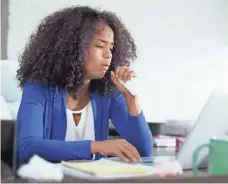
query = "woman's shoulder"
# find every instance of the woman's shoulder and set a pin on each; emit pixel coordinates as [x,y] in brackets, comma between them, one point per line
[37,90]
[34,86]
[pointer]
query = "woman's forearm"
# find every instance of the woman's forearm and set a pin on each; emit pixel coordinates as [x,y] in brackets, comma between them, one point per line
[134,108]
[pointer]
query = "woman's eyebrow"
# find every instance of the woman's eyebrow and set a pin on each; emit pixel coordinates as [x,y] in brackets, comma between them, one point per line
[104,41]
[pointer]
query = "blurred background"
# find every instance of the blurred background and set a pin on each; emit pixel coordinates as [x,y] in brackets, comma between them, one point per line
[182,49]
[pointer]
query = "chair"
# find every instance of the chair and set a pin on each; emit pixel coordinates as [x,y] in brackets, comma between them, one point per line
[10,101]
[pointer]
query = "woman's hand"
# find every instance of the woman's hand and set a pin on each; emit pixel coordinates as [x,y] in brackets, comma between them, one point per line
[116,147]
[122,73]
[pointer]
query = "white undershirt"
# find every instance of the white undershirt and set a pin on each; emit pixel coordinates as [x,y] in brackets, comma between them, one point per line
[85,128]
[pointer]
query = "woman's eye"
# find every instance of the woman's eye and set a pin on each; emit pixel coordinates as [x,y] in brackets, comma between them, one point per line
[99,46]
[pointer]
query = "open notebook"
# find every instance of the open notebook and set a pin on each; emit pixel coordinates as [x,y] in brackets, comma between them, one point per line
[107,167]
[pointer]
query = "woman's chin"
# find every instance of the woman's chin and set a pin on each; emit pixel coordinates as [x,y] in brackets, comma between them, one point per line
[97,77]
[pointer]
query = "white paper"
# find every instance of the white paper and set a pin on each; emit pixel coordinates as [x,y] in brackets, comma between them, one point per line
[79,174]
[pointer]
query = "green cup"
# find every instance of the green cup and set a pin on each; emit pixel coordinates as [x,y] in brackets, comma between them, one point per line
[217,159]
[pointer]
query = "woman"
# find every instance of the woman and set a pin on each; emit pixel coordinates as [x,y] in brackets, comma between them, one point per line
[70,73]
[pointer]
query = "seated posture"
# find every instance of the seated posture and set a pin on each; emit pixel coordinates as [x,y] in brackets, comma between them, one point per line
[72,73]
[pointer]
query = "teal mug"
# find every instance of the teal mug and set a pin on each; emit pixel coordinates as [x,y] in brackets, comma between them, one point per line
[217,158]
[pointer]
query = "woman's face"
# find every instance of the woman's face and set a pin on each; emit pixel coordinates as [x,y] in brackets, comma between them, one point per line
[99,56]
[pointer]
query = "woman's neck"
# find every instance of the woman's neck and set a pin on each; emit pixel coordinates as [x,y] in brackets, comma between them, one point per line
[82,97]
[84,89]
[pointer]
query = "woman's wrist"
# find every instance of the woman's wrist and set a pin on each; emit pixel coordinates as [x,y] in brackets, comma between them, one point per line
[133,104]
[95,147]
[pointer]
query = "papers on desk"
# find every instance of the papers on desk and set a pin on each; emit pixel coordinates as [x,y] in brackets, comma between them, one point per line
[113,169]
[38,169]
[164,141]
[105,168]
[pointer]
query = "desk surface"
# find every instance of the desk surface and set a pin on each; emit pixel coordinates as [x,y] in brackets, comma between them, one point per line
[187,175]
[180,179]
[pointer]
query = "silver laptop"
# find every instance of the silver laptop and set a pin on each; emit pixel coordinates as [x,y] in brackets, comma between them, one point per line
[211,123]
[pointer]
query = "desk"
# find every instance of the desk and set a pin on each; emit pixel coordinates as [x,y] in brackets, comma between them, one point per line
[180,179]
[186,177]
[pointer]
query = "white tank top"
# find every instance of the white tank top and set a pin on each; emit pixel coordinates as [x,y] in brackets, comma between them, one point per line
[85,128]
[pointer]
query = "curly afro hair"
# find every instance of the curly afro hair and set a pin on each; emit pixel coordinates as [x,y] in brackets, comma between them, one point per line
[54,54]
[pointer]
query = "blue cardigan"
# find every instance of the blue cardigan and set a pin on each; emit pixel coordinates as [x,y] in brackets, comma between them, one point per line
[42,125]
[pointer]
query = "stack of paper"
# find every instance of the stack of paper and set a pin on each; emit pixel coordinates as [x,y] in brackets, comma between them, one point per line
[106,167]
[164,141]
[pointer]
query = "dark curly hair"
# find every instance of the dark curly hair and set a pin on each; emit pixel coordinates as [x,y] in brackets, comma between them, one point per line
[55,53]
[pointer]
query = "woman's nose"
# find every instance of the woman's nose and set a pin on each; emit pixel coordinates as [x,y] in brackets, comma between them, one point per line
[107,53]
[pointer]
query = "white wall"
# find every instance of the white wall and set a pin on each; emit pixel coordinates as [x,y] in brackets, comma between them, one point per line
[183,47]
